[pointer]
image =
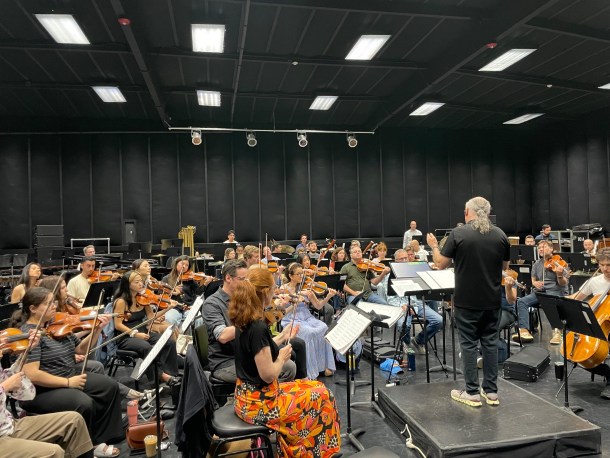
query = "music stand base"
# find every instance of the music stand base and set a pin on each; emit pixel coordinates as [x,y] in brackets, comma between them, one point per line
[372,404]
[353,384]
[573,409]
[352,437]
[445,368]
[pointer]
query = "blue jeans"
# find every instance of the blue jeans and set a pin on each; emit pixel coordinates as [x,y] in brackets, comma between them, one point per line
[435,324]
[174,317]
[374,298]
[523,305]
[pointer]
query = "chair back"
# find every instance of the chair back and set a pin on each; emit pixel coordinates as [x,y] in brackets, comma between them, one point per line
[20,260]
[6,311]
[200,342]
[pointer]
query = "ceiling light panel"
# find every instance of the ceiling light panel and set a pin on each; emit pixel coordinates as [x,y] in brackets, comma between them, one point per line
[605,86]
[208,37]
[426,108]
[63,28]
[366,47]
[506,60]
[323,102]
[208,98]
[523,118]
[109,94]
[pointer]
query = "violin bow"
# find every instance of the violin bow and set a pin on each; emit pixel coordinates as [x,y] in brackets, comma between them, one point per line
[322,255]
[23,357]
[158,304]
[95,319]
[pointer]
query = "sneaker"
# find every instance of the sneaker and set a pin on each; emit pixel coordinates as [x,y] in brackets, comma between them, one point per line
[606,393]
[473,400]
[480,362]
[556,339]
[525,336]
[490,398]
[420,349]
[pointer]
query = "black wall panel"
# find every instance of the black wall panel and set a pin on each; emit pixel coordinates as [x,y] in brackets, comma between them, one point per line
[15,228]
[106,186]
[92,183]
[165,188]
[192,186]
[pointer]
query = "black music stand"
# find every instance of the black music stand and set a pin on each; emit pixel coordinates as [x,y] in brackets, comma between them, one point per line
[109,287]
[141,367]
[572,315]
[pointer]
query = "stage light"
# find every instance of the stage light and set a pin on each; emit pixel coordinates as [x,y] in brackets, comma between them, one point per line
[302,138]
[251,139]
[352,142]
[196,137]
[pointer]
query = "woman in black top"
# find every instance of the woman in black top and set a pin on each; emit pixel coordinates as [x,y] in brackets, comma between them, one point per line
[59,387]
[139,340]
[302,412]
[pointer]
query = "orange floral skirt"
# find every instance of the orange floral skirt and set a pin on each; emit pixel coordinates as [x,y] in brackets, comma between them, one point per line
[303,413]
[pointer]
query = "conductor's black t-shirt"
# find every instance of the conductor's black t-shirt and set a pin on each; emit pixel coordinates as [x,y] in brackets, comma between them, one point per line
[248,343]
[478,266]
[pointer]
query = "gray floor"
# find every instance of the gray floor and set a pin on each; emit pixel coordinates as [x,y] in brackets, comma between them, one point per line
[582,392]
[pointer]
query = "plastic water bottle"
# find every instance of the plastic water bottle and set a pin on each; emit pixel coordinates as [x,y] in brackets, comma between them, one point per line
[132,412]
[411,359]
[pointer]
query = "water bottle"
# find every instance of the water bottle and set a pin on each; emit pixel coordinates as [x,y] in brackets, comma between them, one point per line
[132,412]
[411,359]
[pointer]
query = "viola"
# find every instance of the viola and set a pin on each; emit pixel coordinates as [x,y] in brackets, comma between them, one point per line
[554,262]
[273,266]
[511,273]
[97,276]
[196,277]
[366,264]
[65,323]
[158,286]
[16,340]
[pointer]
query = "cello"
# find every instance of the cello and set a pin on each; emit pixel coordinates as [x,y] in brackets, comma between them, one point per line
[589,351]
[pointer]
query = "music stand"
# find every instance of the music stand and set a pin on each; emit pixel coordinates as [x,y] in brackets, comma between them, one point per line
[95,289]
[141,367]
[573,315]
[190,315]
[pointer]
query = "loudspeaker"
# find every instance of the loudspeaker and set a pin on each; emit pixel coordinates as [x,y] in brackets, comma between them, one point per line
[48,230]
[49,240]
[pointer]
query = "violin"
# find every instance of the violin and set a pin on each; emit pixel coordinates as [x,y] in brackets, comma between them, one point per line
[554,262]
[318,287]
[196,277]
[274,313]
[148,297]
[513,274]
[158,286]
[273,266]
[16,340]
[64,323]
[97,276]
[367,264]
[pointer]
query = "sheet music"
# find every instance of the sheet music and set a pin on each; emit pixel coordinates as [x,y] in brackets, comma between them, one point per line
[405,285]
[393,313]
[152,354]
[349,327]
[439,279]
[190,315]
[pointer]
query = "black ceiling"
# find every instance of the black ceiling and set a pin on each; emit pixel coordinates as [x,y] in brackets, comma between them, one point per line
[435,50]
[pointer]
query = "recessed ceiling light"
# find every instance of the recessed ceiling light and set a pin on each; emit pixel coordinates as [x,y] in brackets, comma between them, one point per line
[63,28]
[208,98]
[323,102]
[366,47]
[506,60]
[605,86]
[109,94]
[523,118]
[426,108]
[208,37]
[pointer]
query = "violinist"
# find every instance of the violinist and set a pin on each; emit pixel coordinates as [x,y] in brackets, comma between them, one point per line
[138,340]
[229,254]
[251,255]
[78,286]
[554,280]
[358,281]
[185,291]
[339,255]
[312,249]
[51,367]
[142,266]
[305,261]
[311,330]
[303,243]
[29,276]
[595,286]
[239,252]
[39,436]
[382,252]
[221,333]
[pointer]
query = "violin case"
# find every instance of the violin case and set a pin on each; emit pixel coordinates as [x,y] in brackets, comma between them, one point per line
[527,365]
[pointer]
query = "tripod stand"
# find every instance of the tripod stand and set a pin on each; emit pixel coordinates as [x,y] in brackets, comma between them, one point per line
[351,436]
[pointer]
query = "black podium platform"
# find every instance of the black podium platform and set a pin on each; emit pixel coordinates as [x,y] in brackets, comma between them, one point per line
[523,425]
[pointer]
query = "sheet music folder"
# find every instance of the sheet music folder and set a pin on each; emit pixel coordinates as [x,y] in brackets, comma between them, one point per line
[350,326]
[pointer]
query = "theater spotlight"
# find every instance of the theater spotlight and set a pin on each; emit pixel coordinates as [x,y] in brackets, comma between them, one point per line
[196,137]
[302,138]
[251,139]
[352,142]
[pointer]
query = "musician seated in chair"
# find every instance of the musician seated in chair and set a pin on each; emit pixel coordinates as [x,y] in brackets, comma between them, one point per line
[359,281]
[599,285]
[553,280]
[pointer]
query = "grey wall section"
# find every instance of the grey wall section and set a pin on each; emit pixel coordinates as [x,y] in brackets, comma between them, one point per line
[92,183]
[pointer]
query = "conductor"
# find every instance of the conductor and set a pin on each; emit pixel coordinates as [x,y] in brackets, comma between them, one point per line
[479,250]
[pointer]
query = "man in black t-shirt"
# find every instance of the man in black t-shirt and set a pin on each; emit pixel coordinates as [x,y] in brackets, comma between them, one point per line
[479,251]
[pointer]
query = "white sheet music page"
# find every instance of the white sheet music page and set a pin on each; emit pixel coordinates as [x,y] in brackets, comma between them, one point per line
[349,327]
[393,313]
[403,286]
[439,279]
